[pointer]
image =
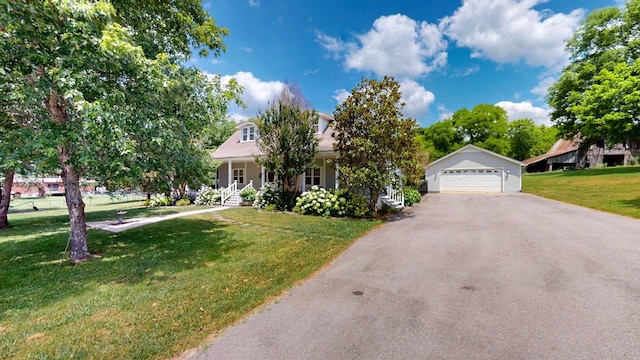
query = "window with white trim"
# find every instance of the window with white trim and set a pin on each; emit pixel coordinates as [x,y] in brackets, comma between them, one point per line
[238,175]
[312,177]
[248,133]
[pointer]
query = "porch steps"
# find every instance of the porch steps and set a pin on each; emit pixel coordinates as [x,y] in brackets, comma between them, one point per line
[390,202]
[233,200]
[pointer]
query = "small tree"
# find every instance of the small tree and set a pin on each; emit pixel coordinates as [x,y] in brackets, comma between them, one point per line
[373,138]
[288,142]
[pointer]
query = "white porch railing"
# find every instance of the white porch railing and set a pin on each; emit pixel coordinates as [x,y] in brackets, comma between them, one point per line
[249,185]
[395,195]
[225,194]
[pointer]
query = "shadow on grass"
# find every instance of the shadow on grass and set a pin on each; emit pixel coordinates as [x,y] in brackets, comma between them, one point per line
[43,216]
[632,203]
[32,276]
[617,170]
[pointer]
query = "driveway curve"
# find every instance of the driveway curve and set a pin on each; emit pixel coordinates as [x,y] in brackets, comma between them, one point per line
[463,276]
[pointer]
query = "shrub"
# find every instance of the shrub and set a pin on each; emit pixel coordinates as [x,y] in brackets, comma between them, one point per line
[356,205]
[265,197]
[183,202]
[207,196]
[320,202]
[248,194]
[159,200]
[270,207]
[411,196]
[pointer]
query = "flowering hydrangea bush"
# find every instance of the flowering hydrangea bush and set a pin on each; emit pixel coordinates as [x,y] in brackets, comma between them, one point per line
[208,196]
[248,194]
[265,197]
[159,200]
[411,196]
[321,202]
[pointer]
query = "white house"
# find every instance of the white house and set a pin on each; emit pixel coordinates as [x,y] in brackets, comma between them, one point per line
[239,166]
[473,169]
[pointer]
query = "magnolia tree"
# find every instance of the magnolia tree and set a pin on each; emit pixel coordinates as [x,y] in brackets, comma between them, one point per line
[373,138]
[109,95]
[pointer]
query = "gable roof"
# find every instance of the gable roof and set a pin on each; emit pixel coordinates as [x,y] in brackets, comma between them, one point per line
[560,147]
[234,148]
[473,148]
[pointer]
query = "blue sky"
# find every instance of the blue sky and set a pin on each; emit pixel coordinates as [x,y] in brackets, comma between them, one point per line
[446,54]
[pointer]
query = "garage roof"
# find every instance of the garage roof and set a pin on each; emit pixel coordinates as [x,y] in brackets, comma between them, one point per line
[470,147]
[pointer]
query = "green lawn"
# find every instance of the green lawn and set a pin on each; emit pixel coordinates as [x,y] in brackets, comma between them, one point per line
[158,289]
[615,189]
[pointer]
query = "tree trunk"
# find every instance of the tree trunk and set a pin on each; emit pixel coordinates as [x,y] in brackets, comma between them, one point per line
[75,205]
[5,200]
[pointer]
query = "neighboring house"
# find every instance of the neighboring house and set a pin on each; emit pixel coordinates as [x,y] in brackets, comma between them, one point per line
[42,186]
[572,154]
[239,166]
[473,169]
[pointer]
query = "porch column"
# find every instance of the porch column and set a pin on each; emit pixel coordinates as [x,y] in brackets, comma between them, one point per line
[303,182]
[262,174]
[323,174]
[230,173]
[337,172]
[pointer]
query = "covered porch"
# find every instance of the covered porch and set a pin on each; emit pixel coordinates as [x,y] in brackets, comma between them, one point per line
[245,170]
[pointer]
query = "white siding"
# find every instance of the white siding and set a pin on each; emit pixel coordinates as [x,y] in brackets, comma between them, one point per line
[474,159]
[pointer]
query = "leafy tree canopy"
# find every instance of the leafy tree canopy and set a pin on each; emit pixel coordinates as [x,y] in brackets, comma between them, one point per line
[287,140]
[103,79]
[596,94]
[487,126]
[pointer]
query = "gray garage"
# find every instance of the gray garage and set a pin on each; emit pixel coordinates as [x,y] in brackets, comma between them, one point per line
[473,169]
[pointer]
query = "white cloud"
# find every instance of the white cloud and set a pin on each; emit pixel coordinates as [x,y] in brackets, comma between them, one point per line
[311,72]
[396,45]
[511,31]
[543,86]
[444,112]
[341,95]
[334,46]
[254,3]
[248,50]
[466,72]
[416,98]
[257,94]
[525,109]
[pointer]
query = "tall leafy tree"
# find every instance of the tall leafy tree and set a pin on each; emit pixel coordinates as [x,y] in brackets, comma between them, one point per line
[287,141]
[373,138]
[528,139]
[440,139]
[19,147]
[96,68]
[485,125]
[596,94]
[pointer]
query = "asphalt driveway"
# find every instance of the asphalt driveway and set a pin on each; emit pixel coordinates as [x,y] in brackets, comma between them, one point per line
[509,276]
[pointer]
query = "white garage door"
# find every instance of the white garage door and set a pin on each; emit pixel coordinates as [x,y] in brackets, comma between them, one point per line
[474,180]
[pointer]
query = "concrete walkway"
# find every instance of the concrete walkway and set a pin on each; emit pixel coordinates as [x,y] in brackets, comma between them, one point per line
[463,277]
[115,227]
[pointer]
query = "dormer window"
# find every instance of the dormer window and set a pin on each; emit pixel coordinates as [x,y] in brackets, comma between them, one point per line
[248,133]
